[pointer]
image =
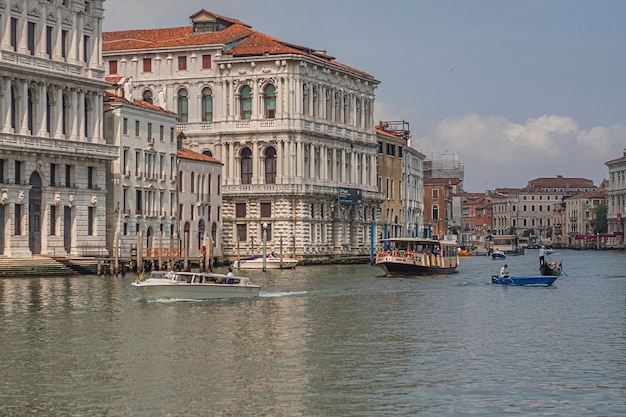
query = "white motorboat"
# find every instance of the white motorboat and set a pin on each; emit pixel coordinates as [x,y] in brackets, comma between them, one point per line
[272,261]
[196,286]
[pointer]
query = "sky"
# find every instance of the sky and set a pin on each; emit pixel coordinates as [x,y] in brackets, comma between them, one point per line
[515,89]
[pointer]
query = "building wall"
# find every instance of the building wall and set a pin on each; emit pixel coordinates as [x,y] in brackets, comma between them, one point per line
[141,203]
[54,159]
[200,202]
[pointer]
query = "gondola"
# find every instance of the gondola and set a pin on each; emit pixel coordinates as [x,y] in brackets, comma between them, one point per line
[551,269]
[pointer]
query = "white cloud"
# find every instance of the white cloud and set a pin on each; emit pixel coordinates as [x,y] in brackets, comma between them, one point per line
[500,153]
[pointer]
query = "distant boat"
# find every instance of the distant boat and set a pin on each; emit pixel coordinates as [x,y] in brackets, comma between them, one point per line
[464,252]
[539,280]
[272,261]
[498,255]
[416,256]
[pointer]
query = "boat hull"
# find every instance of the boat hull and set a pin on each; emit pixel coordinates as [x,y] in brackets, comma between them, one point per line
[546,269]
[195,291]
[269,264]
[498,256]
[393,269]
[528,280]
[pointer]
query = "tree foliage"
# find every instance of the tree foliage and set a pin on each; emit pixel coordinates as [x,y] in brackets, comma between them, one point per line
[600,223]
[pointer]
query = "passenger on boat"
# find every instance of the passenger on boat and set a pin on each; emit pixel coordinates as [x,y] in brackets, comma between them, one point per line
[504,272]
[230,272]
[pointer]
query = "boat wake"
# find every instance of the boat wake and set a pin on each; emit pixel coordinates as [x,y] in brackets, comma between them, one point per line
[281,294]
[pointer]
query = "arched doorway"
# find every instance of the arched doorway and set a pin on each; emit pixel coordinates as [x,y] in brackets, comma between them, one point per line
[186,237]
[201,229]
[34,214]
[149,240]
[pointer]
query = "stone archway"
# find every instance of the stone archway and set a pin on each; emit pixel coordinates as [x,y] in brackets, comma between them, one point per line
[34,214]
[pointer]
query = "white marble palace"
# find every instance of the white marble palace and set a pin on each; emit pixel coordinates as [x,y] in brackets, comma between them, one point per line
[53,158]
[292,126]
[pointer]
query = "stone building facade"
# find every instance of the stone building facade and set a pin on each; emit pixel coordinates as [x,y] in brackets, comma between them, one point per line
[53,157]
[199,203]
[616,204]
[292,126]
[141,198]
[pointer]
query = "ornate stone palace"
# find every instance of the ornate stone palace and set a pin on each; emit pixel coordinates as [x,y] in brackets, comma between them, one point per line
[53,158]
[292,126]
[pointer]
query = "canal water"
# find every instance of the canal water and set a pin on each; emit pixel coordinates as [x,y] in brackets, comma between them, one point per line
[338,340]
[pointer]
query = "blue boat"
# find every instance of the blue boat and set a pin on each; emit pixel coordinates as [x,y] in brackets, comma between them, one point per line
[498,255]
[543,280]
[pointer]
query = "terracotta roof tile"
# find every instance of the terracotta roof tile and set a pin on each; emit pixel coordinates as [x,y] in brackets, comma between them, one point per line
[239,39]
[195,156]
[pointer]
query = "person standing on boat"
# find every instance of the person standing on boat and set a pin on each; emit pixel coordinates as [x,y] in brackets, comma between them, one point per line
[504,272]
[230,272]
[542,255]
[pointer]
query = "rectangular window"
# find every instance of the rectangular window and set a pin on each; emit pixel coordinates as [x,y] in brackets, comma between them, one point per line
[18,172]
[68,176]
[125,126]
[30,35]
[161,133]
[149,131]
[91,219]
[18,219]
[268,232]
[53,220]
[49,41]
[125,170]
[86,48]
[242,232]
[240,210]
[147,65]
[266,209]
[182,63]
[1,171]
[206,61]
[53,175]
[112,67]
[137,128]
[171,135]
[14,34]
[435,194]
[64,40]
[138,202]
[90,178]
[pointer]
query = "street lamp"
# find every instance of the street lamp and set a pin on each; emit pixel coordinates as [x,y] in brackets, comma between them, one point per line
[264,246]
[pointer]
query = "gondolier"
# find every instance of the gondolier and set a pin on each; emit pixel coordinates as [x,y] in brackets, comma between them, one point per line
[542,255]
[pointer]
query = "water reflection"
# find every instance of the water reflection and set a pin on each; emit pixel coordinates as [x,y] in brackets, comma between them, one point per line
[321,341]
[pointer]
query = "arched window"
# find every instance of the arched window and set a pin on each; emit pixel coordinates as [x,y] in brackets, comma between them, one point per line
[14,108]
[246,103]
[270,165]
[435,213]
[246,166]
[305,100]
[49,100]
[66,115]
[86,116]
[148,97]
[180,181]
[207,104]
[315,101]
[30,112]
[191,184]
[207,153]
[183,106]
[270,101]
